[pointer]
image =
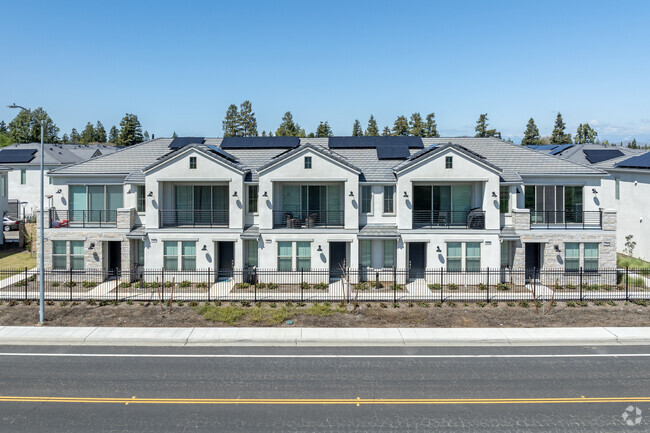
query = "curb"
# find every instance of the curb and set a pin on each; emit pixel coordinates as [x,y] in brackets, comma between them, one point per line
[188,337]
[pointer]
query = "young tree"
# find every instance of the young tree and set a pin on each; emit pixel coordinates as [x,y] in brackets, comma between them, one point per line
[357,131]
[113,135]
[386,131]
[230,124]
[531,134]
[372,129]
[100,133]
[558,136]
[247,120]
[430,127]
[130,130]
[401,126]
[585,134]
[323,130]
[288,128]
[51,130]
[74,136]
[416,127]
[481,129]
[88,134]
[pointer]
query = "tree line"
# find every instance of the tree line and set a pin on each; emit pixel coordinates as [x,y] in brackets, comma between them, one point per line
[25,129]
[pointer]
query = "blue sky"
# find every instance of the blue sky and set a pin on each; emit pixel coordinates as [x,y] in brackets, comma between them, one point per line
[178,65]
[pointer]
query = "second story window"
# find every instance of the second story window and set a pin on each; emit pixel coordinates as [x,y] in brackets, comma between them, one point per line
[141,198]
[252,198]
[23,177]
[389,199]
[366,199]
[504,199]
[192,162]
[449,162]
[307,161]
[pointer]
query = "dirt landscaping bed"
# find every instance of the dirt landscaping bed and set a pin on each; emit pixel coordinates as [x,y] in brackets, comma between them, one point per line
[511,314]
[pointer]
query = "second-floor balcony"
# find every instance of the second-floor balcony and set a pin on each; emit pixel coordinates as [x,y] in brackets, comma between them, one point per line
[432,219]
[566,219]
[307,219]
[194,218]
[82,218]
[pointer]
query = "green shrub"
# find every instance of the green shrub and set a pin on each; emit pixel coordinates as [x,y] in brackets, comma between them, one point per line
[570,304]
[55,284]
[272,305]
[494,303]
[397,287]
[304,285]
[62,304]
[242,286]
[88,284]
[395,304]
[481,286]
[383,305]
[481,304]
[12,303]
[261,285]
[569,287]
[423,304]
[69,284]
[129,302]
[606,287]
[321,286]
[437,304]
[91,302]
[599,303]
[245,304]
[361,286]
[202,285]
[524,304]
[451,304]
[502,286]
[320,310]
[125,285]
[452,286]
[641,302]
[582,303]
[185,283]
[612,303]
[434,286]
[273,286]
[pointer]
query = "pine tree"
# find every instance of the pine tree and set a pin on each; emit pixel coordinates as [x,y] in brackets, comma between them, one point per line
[430,127]
[263,133]
[531,134]
[416,127]
[130,130]
[357,131]
[288,128]
[51,130]
[401,126]
[145,136]
[586,134]
[3,127]
[558,136]
[386,131]
[19,129]
[65,139]
[88,134]
[481,127]
[324,130]
[100,133]
[247,120]
[632,144]
[174,135]
[74,136]
[372,129]
[230,124]
[113,135]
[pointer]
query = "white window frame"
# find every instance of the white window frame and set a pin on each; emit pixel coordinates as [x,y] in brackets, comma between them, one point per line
[392,200]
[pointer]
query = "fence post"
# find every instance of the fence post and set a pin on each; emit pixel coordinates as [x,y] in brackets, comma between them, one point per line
[580,283]
[395,284]
[627,283]
[162,285]
[255,281]
[209,283]
[302,280]
[442,284]
[487,289]
[117,285]
[70,282]
[26,282]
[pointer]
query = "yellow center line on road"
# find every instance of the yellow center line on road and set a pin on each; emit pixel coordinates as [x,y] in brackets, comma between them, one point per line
[323,401]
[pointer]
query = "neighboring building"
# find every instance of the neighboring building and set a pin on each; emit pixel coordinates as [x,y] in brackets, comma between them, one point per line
[626,188]
[4,195]
[24,179]
[286,203]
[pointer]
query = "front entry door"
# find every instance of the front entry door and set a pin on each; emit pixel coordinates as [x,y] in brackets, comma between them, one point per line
[533,260]
[417,259]
[114,251]
[226,254]
[338,253]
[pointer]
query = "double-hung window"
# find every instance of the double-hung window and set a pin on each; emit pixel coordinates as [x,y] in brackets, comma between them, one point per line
[472,256]
[251,253]
[284,256]
[252,198]
[572,257]
[454,256]
[366,199]
[365,253]
[170,255]
[187,255]
[389,253]
[23,177]
[286,252]
[504,199]
[389,199]
[188,258]
[62,258]
[142,199]
[591,257]
[77,255]
[303,256]
[59,255]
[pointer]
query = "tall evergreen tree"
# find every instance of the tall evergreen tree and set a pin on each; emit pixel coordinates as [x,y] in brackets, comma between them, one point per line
[481,128]
[430,127]
[585,134]
[100,133]
[357,131]
[323,130]
[247,120]
[372,130]
[531,134]
[416,127]
[65,139]
[231,125]
[288,128]
[386,131]
[559,136]
[632,144]
[74,136]
[263,133]
[174,135]
[3,127]
[145,135]
[401,126]
[19,129]
[51,130]
[113,135]
[88,134]
[130,130]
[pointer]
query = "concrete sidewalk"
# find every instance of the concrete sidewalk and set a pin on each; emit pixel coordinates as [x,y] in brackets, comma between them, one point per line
[100,336]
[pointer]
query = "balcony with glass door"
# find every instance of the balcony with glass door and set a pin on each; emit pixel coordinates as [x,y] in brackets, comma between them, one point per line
[559,207]
[89,206]
[445,206]
[196,206]
[310,206]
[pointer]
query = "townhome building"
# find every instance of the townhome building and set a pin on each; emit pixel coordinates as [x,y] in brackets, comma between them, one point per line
[24,179]
[291,204]
[626,188]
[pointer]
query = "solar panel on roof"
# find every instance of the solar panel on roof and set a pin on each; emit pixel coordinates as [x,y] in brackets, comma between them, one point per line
[375,142]
[561,148]
[222,153]
[179,142]
[260,142]
[640,161]
[19,156]
[596,155]
[393,152]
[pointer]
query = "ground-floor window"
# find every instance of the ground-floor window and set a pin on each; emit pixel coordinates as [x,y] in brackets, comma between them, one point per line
[251,253]
[288,250]
[139,245]
[572,256]
[591,257]
[384,258]
[61,256]
[455,256]
[389,253]
[473,256]
[187,256]
[365,253]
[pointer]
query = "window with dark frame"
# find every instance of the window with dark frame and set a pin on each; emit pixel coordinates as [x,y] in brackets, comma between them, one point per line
[192,162]
[252,198]
[142,199]
[449,162]
[389,199]
[307,161]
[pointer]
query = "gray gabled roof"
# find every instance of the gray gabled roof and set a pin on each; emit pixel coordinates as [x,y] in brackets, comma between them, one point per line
[197,147]
[308,146]
[61,154]
[433,149]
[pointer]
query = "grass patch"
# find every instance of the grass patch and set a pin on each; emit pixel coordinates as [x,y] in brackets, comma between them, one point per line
[17,259]
[624,261]
[229,314]
[320,310]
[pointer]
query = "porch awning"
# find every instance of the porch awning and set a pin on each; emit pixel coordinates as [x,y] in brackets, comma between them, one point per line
[509,234]
[137,233]
[378,232]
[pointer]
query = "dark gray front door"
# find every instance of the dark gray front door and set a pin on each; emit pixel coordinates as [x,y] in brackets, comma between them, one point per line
[417,259]
[533,259]
[337,259]
[226,252]
[114,257]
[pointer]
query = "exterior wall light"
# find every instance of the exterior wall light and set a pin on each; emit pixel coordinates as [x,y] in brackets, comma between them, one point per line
[234,194]
[438,250]
[59,191]
[406,194]
[320,249]
[557,249]
[594,190]
[205,248]
[494,194]
[351,194]
[92,246]
[265,194]
[150,194]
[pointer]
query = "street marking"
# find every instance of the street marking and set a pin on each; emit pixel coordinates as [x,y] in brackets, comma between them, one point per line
[324,356]
[342,401]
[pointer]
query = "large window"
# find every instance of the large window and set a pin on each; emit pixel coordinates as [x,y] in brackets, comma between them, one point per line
[170,255]
[285,256]
[454,256]
[389,199]
[441,204]
[303,256]
[142,198]
[472,256]
[95,203]
[591,257]
[201,204]
[504,199]
[366,199]
[251,253]
[62,257]
[365,253]
[389,253]
[317,204]
[572,257]
[188,257]
[59,255]
[252,198]
[554,203]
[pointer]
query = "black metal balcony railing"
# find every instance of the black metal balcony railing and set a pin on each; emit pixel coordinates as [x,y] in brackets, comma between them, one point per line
[566,219]
[307,219]
[82,218]
[194,218]
[471,219]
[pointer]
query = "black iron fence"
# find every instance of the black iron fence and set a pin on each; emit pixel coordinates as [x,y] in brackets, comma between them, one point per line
[194,218]
[298,219]
[82,218]
[471,219]
[388,285]
[570,219]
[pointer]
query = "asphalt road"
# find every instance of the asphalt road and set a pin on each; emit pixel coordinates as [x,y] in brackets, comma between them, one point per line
[576,389]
